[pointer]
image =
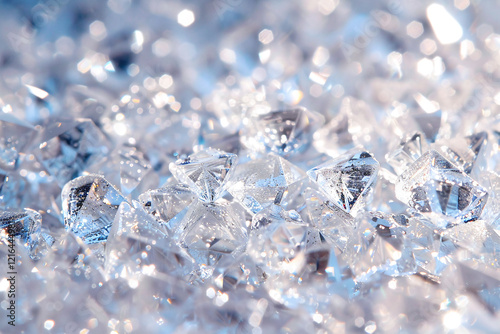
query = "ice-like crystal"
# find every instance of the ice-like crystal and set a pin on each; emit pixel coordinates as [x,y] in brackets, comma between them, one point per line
[464,152]
[211,230]
[168,203]
[432,184]
[277,237]
[347,180]
[407,152]
[15,135]
[67,148]
[89,205]
[283,132]
[263,182]
[206,172]
[334,138]
[24,224]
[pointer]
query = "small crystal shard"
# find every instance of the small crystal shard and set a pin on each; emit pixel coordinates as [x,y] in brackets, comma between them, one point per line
[89,206]
[347,180]
[407,152]
[283,132]
[206,172]
[24,224]
[261,183]
[464,152]
[15,135]
[434,185]
[211,230]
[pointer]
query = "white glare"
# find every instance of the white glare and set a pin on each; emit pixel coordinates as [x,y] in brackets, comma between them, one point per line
[445,27]
[185,18]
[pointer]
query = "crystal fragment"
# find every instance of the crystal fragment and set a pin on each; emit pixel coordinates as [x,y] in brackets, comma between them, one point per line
[334,138]
[89,205]
[407,152]
[347,180]
[23,224]
[263,182]
[283,132]
[168,203]
[211,230]
[69,147]
[206,172]
[432,184]
[464,152]
[15,135]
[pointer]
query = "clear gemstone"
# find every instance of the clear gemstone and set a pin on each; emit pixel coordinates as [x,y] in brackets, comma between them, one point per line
[434,185]
[69,147]
[407,152]
[168,204]
[334,138]
[283,132]
[89,206]
[347,180]
[15,136]
[24,224]
[205,172]
[263,182]
[464,152]
[211,230]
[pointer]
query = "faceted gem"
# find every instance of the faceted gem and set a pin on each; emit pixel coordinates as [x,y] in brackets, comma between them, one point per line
[89,206]
[205,172]
[434,185]
[167,203]
[24,224]
[407,152]
[464,152]
[15,135]
[283,132]
[276,238]
[347,180]
[138,244]
[68,147]
[263,182]
[211,230]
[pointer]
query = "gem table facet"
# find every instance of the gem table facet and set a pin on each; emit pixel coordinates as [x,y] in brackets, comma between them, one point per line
[229,166]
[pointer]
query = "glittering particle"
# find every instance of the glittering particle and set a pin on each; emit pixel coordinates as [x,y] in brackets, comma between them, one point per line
[185,18]
[49,324]
[444,25]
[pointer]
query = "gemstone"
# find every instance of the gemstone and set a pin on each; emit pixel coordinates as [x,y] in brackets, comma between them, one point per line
[209,231]
[432,184]
[283,132]
[89,205]
[465,152]
[347,180]
[67,148]
[23,224]
[261,183]
[407,152]
[206,172]
[15,136]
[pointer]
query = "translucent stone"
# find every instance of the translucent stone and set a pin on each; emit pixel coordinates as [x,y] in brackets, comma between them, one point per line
[276,239]
[168,204]
[23,224]
[283,132]
[209,231]
[347,180]
[263,182]
[434,185]
[464,152]
[407,152]
[89,205]
[206,172]
[334,138]
[69,147]
[138,245]
[15,135]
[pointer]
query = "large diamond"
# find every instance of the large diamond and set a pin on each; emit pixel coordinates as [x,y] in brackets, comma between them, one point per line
[283,131]
[206,172]
[211,230]
[89,205]
[261,183]
[347,179]
[434,185]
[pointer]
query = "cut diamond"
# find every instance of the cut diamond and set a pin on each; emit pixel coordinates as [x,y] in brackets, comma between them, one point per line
[283,132]
[347,180]
[261,183]
[89,206]
[434,185]
[206,172]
